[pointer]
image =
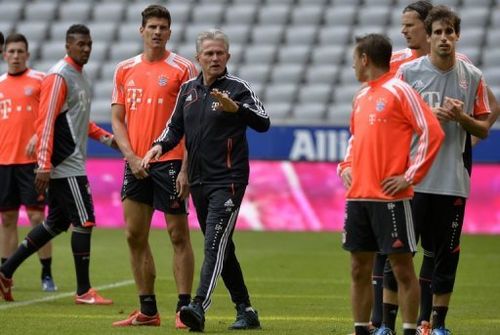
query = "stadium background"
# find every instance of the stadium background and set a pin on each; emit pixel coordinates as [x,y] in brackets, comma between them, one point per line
[297,55]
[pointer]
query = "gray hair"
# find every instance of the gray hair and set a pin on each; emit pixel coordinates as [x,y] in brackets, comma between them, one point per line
[211,34]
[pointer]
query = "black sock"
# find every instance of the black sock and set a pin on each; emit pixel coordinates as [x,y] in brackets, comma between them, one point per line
[148,304]
[361,330]
[46,267]
[378,289]
[2,260]
[184,300]
[438,316]
[409,331]
[426,289]
[390,314]
[80,244]
[35,239]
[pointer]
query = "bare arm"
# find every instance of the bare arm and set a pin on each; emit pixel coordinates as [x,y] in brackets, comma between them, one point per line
[123,141]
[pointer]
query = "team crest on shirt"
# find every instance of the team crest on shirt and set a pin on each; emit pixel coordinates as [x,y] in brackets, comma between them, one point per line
[162,80]
[28,91]
[418,85]
[380,105]
[463,83]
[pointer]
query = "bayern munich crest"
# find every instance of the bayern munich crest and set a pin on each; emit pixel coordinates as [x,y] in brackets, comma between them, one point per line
[163,80]
[380,105]
[28,91]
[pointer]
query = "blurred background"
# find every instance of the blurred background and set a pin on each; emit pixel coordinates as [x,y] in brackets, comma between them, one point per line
[297,55]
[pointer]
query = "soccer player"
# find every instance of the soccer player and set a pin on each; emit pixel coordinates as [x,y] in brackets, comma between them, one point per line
[456,91]
[379,177]
[63,130]
[20,96]
[145,91]
[413,30]
[214,111]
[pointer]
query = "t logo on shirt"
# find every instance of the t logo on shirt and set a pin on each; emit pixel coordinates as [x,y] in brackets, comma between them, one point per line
[5,108]
[134,96]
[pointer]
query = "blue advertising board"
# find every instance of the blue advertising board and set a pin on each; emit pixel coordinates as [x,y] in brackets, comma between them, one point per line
[314,144]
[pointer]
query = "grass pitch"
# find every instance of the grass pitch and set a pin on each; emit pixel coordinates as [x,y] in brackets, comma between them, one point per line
[299,282]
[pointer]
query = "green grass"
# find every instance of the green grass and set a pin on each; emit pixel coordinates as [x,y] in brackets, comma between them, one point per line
[299,282]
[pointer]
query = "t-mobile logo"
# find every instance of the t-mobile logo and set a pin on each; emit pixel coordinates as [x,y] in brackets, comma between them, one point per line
[5,108]
[134,96]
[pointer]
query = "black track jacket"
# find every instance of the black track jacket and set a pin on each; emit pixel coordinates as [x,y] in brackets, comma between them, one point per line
[215,140]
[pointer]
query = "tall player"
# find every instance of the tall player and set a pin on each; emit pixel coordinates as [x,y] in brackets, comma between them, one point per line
[19,99]
[144,97]
[63,130]
[457,92]
[413,30]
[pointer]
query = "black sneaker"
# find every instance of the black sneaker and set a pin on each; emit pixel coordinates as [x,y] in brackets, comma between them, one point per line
[193,316]
[245,319]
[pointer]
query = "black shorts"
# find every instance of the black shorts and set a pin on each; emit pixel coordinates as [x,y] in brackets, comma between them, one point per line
[439,220]
[158,190]
[17,187]
[70,202]
[386,227]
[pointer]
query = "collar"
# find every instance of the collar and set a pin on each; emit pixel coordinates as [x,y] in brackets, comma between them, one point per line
[18,74]
[380,80]
[71,62]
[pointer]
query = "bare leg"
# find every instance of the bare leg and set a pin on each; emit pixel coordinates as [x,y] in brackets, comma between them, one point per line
[138,220]
[9,240]
[183,258]
[408,286]
[361,285]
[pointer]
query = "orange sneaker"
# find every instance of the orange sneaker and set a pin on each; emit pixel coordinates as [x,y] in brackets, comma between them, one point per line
[92,298]
[424,328]
[178,322]
[136,318]
[6,288]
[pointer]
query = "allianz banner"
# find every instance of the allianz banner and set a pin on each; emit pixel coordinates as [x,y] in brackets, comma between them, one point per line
[313,144]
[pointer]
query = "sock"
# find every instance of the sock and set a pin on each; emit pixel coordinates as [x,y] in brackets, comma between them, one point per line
[46,267]
[184,300]
[35,239]
[409,329]
[390,314]
[2,260]
[80,244]
[426,289]
[378,289]
[148,304]
[438,316]
[361,328]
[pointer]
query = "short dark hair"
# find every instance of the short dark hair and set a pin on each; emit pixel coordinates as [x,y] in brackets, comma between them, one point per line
[1,39]
[422,7]
[444,14]
[16,37]
[157,11]
[77,29]
[377,47]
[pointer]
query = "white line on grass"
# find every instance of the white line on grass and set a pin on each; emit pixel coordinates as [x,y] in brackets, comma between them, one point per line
[10,305]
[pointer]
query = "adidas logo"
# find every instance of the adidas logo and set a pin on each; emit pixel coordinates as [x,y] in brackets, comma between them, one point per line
[397,244]
[189,98]
[229,203]
[131,82]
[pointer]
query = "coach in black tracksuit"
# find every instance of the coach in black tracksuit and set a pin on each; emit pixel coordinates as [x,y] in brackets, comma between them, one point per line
[213,111]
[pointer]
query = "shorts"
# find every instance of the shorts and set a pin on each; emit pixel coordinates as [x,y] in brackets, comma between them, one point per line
[70,202]
[17,187]
[386,227]
[158,190]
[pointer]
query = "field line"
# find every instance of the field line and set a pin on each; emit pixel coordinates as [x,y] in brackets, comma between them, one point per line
[10,305]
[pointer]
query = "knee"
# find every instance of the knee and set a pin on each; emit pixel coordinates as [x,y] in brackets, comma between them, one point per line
[35,217]
[179,236]
[136,238]
[361,272]
[9,218]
